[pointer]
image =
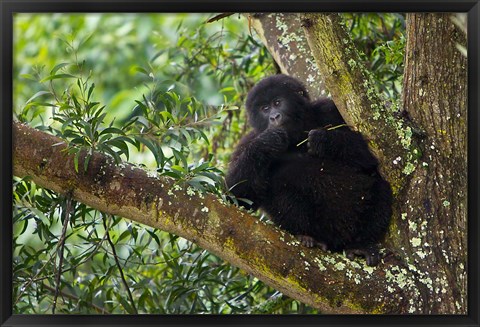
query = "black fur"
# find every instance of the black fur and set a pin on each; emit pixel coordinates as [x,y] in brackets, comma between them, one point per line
[328,190]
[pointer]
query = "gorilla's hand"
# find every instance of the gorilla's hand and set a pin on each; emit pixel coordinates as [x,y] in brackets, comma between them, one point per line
[272,141]
[316,142]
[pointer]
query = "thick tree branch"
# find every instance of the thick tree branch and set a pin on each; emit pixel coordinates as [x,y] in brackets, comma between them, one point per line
[329,282]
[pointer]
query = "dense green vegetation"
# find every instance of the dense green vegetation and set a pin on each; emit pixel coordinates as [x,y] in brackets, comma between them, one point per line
[162,91]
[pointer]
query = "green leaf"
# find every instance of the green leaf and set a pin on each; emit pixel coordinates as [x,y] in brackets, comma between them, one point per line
[112,130]
[59,66]
[78,140]
[58,76]
[90,90]
[28,76]
[88,156]
[205,179]
[166,115]
[121,145]
[181,157]
[75,160]
[156,151]
[141,70]
[204,136]
[36,95]
[178,168]
[106,149]
[42,216]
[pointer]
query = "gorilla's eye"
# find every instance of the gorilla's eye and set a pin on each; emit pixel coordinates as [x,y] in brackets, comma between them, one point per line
[276,103]
[265,108]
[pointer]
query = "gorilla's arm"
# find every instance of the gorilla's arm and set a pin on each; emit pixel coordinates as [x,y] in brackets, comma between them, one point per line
[337,142]
[343,145]
[250,164]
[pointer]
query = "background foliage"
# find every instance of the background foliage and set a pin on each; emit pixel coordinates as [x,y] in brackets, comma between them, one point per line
[162,91]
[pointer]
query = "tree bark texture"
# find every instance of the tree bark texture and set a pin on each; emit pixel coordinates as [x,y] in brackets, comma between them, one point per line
[432,230]
[283,36]
[329,282]
[352,90]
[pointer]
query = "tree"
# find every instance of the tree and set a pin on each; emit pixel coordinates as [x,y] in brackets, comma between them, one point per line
[417,142]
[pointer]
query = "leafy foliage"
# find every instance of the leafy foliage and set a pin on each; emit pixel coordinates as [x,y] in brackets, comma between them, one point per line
[380,37]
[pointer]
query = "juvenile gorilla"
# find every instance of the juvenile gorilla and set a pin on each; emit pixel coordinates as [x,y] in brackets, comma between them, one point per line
[326,191]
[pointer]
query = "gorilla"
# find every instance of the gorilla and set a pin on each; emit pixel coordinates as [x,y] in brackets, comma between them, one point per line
[312,175]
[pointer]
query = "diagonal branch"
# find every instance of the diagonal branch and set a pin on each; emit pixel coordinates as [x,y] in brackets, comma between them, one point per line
[329,282]
[352,88]
[282,34]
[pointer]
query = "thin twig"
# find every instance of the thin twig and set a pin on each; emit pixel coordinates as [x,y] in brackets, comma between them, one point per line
[219,17]
[61,242]
[94,251]
[76,298]
[124,281]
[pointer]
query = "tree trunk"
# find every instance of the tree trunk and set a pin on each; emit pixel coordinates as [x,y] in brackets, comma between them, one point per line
[353,92]
[432,229]
[282,34]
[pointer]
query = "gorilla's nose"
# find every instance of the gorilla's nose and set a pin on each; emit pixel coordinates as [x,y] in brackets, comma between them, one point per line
[275,118]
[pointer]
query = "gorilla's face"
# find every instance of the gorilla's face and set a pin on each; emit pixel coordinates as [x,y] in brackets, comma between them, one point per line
[280,111]
[277,101]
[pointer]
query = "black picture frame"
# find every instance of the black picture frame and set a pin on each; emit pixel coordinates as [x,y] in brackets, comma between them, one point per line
[9,7]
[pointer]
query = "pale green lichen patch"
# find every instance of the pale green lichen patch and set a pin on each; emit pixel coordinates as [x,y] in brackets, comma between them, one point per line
[339,266]
[409,168]
[190,191]
[355,265]
[369,269]
[177,187]
[412,225]
[293,243]
[415,241]
[399,278]
[329,259]
[421,254]
[319,263]
[352,63]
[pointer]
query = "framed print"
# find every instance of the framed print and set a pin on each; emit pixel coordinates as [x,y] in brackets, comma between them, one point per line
[247,163]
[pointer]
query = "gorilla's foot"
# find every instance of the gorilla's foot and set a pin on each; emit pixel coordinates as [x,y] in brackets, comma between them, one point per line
[370,253]
[310,242]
